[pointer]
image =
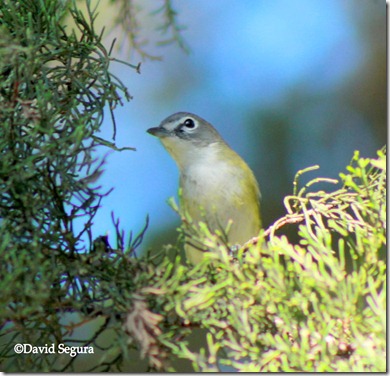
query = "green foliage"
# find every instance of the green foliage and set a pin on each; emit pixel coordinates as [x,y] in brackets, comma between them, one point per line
[55,89]
[319,305]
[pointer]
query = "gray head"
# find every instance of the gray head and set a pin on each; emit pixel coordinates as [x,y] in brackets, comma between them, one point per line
[189,139]
[187,127]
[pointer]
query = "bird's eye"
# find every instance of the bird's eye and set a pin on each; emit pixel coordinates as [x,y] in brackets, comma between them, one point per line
[189,123]
[186,127]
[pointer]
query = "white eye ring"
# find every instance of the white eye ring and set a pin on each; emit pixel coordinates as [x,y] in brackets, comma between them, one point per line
[190,124]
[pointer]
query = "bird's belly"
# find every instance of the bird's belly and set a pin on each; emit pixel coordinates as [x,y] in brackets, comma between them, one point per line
[217,203]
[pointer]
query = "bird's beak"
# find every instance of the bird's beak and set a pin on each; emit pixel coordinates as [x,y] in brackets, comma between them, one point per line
[158,132]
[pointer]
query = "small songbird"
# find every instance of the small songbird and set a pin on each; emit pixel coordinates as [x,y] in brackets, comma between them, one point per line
[216,185]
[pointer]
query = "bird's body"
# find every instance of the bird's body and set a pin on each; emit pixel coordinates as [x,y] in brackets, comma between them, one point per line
[200,181]
[216,185]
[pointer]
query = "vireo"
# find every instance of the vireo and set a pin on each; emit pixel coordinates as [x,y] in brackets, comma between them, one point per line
[216,184]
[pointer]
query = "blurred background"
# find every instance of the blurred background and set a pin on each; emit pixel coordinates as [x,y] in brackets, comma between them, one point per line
[287,83]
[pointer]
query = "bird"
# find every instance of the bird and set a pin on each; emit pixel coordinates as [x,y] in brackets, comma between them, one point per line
[216,186]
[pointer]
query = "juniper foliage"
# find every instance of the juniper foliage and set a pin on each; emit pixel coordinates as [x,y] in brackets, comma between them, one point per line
[55,89]
[315,306]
